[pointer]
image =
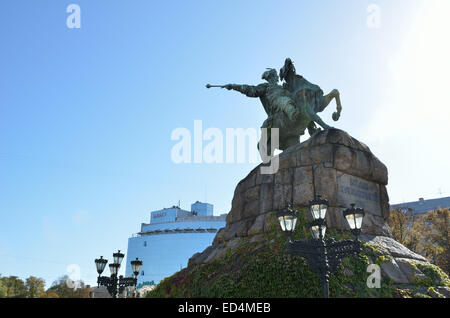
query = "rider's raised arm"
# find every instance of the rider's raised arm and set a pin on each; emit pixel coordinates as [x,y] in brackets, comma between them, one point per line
[249,90]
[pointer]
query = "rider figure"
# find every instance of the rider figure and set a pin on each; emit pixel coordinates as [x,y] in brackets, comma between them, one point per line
[274,97]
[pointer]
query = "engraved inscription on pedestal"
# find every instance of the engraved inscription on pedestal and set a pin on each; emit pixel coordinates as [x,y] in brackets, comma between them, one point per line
[363,193]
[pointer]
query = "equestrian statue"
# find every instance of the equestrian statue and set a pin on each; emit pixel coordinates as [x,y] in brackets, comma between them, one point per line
[291,107]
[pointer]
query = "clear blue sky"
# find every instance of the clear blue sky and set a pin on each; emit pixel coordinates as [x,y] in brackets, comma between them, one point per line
[86,114]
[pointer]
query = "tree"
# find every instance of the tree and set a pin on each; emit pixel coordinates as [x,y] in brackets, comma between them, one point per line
[35,287]
[428,235]
[399,226]
[15,287]
[435,234]
[50,294]
[64,287]
[3,289]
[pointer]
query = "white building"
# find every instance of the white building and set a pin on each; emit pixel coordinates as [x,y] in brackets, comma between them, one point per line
[171,238]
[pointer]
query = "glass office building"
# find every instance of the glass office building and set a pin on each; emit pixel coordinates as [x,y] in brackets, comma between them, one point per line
[171,238]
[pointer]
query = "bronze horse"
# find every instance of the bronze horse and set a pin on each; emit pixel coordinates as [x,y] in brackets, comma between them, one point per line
[310,100]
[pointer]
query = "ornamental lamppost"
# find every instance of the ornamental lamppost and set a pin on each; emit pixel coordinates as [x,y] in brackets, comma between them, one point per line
[115,285]
[323,257]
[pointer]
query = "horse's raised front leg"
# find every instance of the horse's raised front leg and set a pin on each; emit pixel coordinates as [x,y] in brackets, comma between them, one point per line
[328,98]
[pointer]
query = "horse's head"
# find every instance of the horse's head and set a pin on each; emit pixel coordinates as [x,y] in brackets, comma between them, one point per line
[287,69]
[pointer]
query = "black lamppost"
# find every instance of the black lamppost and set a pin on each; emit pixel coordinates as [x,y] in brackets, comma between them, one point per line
[115,285]
[323,257]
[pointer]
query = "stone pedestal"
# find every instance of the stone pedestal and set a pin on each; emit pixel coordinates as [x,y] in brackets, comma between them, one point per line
[332,164]
[344,171]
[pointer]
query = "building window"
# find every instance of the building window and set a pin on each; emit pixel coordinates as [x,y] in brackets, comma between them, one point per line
[145,243]
[142,273]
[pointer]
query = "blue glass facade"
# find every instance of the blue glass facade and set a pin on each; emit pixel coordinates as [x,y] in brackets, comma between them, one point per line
[202,209]
[171,238]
